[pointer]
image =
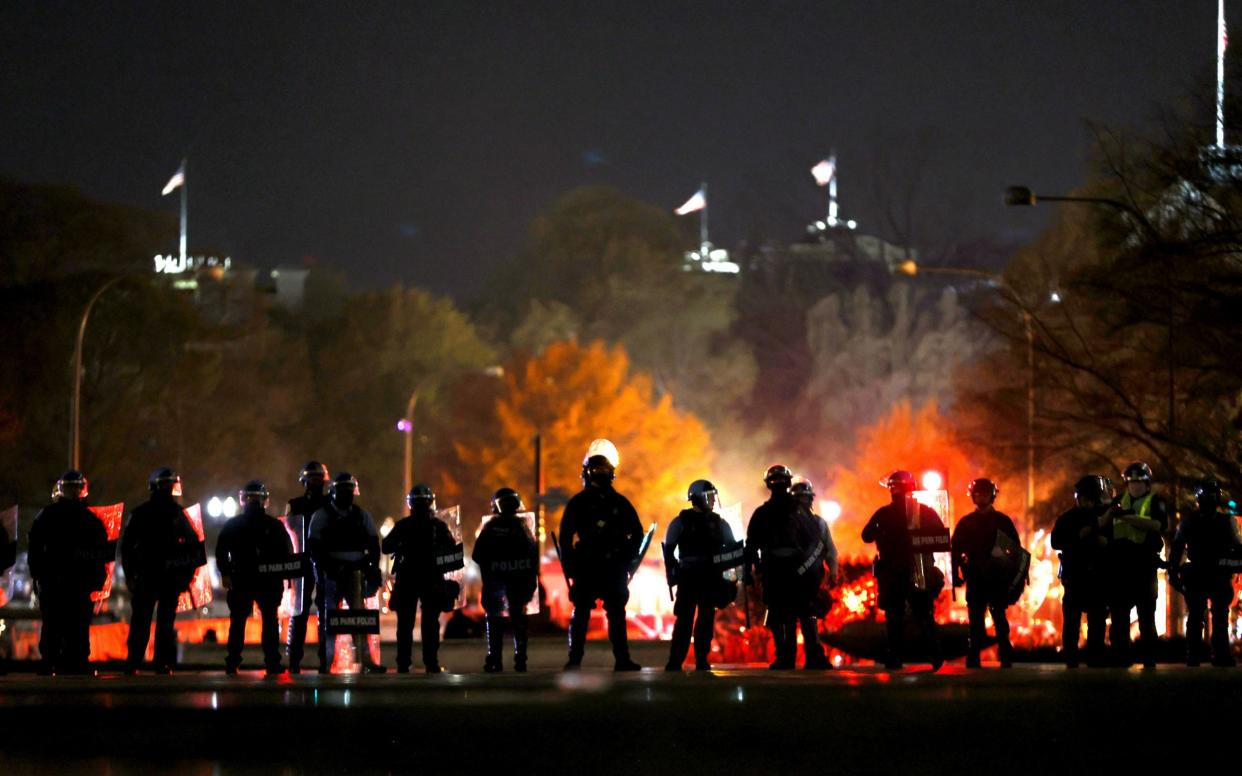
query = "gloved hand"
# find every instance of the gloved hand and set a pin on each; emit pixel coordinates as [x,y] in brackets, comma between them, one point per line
[371,579]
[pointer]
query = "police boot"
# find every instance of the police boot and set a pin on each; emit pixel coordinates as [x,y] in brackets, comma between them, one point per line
[431,653]
[816,660]
[495,643]
[783,637]
[679,645]
[620,643]
[519,647]
[1194,644]
[577,639]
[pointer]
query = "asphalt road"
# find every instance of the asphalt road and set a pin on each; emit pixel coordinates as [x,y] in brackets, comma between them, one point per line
[1030,719]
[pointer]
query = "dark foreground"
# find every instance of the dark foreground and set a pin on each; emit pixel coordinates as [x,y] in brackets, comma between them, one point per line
[1031,719]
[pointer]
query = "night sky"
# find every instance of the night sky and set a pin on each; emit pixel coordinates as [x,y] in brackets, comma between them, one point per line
[415,141]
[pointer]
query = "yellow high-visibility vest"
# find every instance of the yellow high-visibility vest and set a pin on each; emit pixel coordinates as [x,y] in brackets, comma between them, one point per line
[1142,508]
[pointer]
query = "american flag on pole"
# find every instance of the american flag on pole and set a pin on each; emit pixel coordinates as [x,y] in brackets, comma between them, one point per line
[824,171]
[695,203]
[175,182]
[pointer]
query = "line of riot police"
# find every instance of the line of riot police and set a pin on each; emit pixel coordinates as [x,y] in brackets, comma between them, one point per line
[327,550]
[1110,552]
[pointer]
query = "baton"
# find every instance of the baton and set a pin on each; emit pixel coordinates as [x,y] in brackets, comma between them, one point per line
[557,545]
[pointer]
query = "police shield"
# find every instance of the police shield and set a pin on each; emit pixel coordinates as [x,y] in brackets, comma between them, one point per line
[293,600]
[1013,567]
[729,557]
[451,561]
[932,556]
[732,516]
[345,624]
[532,606]
[642,550]
[199,593]
[111,517]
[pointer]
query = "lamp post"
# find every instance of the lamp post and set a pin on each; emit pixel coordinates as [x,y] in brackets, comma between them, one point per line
[912,268]
[1022,196]
[75,409]
[406,426]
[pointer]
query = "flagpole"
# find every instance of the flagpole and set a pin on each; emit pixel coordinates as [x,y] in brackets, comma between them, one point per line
[703,223]
[185,195]
[832,191]
[1221,43]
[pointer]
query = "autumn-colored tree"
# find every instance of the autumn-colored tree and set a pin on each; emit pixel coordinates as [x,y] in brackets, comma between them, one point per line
[571,394]
[916,440]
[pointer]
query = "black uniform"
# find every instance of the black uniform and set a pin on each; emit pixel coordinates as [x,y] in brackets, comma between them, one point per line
[820,602]
[1083,546]
[785,541]
[987,577]
[895,575]
[701,588]
[345,550]
[246,541]
[508,559]
[159,553]
[68,559]
[1210,536]
[304,507]
[600,537]
[1134,557]
[414,543]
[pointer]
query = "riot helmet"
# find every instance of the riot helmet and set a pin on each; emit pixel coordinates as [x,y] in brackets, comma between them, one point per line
[803,491]
[778,478]
[1137,472]
[982,491]
[598,470]
[1137,477]
[253,493]
[71,485]
[1209,495]
[506,501]
[422,497]
[1092,490]
[166,482]
[703,495]
[344,489]
[599,465]
[313,477]
[900,483]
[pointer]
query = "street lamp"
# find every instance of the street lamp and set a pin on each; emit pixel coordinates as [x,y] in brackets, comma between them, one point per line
[912,268]
[1022,196]
[75,413]
[406,426]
